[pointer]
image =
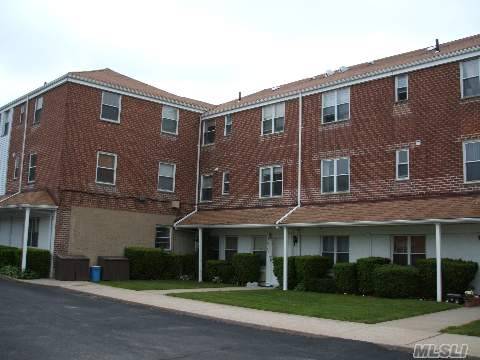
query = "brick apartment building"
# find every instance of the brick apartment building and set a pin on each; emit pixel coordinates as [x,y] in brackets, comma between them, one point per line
[381,158]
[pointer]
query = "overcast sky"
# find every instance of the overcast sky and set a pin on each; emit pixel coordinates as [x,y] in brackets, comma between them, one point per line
[210,50]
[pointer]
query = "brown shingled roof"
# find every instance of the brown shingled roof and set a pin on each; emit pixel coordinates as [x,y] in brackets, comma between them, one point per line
[448,207]
[32,198]
[110,77]
[224,217]
[355,71]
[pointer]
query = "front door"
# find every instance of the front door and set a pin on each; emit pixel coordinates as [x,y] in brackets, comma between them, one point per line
[260,249]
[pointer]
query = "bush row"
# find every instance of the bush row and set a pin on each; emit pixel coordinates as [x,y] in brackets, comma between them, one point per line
[303,271]
[244,268]
[38,260]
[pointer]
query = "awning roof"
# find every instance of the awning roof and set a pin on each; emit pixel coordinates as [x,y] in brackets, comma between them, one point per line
[444,208]
[36,199]
[253,217]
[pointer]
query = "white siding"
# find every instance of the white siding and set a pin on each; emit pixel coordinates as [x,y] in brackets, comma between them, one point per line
[11,230]
[4,154]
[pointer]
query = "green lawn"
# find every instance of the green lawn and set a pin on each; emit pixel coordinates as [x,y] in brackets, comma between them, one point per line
[472,329]
[364,309]
[162,284]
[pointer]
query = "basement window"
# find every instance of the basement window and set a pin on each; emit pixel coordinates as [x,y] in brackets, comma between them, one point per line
[111,104]
[169,120]
[401,87]
[106,168]
[163,236]
[470,76]
[38,110]
[336,105]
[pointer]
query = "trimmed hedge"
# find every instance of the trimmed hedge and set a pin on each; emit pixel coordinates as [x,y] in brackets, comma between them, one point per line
[38,260]
[365,269]
[156,264]
[311,267]
[246,267]
[221,269]
[278,271]
[456,276]
[396,281]
[322,285]
[345,275]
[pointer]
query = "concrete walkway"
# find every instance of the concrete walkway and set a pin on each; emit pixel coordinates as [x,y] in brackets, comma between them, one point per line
[401,333]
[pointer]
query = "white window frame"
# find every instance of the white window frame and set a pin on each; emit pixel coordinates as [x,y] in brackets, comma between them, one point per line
[271,167]
[225,182]
[461,77]
[273,106]
[30,181]
[335,246]
[22,112]
[336,105]
[201,188]
[396,87]
[119,108]
[174,176]
[398,163]
[465,161]
[37,100]
[409,247]
[226,123]
[5,122]
[177,120]
[204,131]
[335,191]
[114,168]
[16,166]
[170,235]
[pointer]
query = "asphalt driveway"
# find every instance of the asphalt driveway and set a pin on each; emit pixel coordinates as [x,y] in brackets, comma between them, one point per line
[39,322]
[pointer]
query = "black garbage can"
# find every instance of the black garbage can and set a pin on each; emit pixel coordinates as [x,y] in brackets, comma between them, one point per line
[72,268]
[114,267]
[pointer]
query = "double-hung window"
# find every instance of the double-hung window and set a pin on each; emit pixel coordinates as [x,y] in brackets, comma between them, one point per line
[169,120]
[208,131]
[207,188]
[260,248]
[231,247]
[32,168]
[335,175]
[408,249]
[6,123]
[226,183]
[22,113]
[336,247]
[16,167]
[163,237]
[401,87]
[33,229]
[166,177]
[336,105]
[228,125]
[38,110]
[403,164]
[470,78]
[273,118]
[271,181]
[111,105]
[106,168]
[471,160]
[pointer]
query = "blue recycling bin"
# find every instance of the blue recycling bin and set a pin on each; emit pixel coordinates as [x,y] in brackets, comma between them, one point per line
[95,273]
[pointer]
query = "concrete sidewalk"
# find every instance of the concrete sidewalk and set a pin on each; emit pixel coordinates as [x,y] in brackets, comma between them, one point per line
[401,333]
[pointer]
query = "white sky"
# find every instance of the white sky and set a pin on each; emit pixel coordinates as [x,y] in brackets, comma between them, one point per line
[210,50]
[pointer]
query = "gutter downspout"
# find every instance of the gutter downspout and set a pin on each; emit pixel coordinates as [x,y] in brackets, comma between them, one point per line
[20,178]
[198,176]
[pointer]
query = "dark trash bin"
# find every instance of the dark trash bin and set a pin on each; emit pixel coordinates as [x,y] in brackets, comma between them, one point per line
[114,267]
[72,268]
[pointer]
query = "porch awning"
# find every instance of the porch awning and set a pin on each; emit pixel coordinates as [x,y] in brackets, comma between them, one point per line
[231,218]
[35,199]
[441,209]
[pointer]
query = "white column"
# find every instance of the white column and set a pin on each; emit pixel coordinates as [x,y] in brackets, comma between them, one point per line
[438,255]
[285,258]
[53,224]
[25,238]
[200,254]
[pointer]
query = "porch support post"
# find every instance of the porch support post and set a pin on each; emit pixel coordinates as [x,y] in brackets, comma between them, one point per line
[25,238]
[438,255]
[53,224]
[285,259]
[200,254]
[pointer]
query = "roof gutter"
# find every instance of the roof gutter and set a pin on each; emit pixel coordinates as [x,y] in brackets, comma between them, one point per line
[389,222]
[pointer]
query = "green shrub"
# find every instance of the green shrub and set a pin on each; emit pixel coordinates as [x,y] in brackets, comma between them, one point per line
[246,267]
[311,267]
[345,275]
[156,264]
[16,273]
[38,260]
[222,270]
[322,285]
[278,271]
[396,281]
[456,276]
[365,269]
